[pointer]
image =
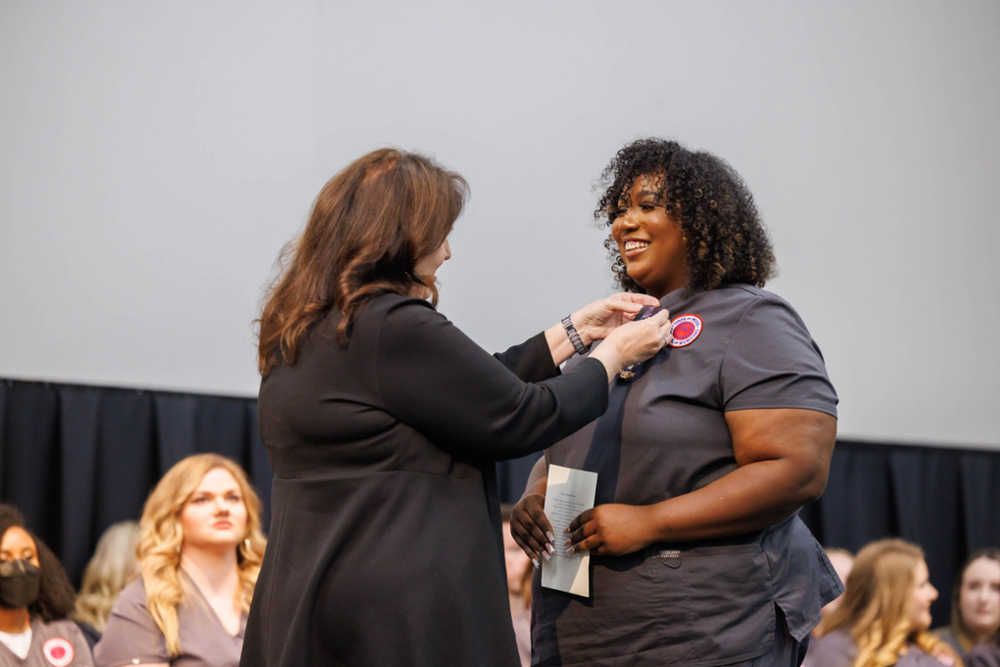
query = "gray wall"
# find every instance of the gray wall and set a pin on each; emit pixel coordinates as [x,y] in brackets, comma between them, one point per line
[156,155]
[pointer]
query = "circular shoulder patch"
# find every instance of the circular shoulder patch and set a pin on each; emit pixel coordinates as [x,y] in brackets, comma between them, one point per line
[58,651]
[684,330]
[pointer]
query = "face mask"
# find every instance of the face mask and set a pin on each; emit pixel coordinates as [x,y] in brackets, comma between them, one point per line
[19,583]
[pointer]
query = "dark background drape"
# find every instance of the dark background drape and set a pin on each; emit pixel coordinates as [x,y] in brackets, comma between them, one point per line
[76,459]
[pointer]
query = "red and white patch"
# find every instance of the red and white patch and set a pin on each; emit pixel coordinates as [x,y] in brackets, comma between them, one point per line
[58,651]
[684,330]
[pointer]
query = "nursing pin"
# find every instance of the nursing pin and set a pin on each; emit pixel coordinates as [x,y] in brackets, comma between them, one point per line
[684,330]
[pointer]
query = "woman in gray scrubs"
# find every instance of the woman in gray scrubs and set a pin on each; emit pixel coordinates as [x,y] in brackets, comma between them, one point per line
[706,452]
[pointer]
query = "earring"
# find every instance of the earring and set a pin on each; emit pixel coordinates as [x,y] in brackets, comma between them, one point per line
[246,543]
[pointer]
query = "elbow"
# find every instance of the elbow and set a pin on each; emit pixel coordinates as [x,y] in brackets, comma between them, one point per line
[812,483]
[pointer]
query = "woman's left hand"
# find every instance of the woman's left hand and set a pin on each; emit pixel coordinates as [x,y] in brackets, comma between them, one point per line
[611,530]
[598,319]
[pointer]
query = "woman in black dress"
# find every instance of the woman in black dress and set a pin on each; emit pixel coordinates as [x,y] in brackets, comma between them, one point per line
[383,422]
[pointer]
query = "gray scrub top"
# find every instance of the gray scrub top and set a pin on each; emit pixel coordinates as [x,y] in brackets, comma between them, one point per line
[55,644]
[837,649]
[132,636]
[712,602]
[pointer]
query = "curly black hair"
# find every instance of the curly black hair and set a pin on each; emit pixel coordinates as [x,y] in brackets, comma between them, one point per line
[56,596]
[725,239]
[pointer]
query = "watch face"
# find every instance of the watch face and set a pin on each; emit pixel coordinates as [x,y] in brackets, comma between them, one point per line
[646,312]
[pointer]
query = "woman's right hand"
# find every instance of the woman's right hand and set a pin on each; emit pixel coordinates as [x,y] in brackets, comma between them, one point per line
[531,529]
[633,342]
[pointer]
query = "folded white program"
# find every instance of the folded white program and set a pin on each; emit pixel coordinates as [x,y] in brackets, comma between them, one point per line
[569,492]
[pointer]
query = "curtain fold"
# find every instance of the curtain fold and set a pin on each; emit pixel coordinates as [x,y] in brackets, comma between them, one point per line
[76,459]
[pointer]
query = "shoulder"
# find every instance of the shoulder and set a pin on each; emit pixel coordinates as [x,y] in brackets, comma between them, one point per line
[134,592]
[835,649]
[983,655]
[389,302]
[947,635]
[917,657]
[131,602]
[836,639]
[62,628]
[750,298]
[392,310]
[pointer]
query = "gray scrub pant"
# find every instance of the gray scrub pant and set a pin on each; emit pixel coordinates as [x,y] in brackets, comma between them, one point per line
[785,652]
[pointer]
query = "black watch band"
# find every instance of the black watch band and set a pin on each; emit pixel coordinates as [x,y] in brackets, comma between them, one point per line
[574,335]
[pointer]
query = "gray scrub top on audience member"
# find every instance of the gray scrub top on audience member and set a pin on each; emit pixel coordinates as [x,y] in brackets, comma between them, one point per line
[837,649]
[59,643]
[132,637]
[711,602]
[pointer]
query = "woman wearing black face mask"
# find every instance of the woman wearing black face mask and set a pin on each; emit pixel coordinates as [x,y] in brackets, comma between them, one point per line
[35,598]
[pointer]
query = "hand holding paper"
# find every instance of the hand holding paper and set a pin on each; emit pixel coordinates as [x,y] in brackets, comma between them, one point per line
[569,493]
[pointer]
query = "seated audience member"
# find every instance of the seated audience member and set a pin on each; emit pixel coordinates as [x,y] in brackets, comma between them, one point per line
[112,566]
[842,561]
[884,614]
[200,550]
[35,599]
[518,588]
[975,603]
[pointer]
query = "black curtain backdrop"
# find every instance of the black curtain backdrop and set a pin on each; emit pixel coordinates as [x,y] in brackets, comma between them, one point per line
[76,459]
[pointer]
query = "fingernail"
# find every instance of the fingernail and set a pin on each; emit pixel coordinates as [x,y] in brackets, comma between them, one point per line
[548,534]
[551,548]
[534,561]
[546,556]
[570,550]
[567,543]
[565,530]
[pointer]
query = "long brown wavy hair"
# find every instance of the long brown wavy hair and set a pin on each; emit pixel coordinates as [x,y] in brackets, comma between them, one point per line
[162,538]
[963,633]
[370,226]
[875,608]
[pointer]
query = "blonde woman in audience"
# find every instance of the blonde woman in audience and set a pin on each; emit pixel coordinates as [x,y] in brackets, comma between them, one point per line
[199,553]
[975,603]
[111,567]
[884,614]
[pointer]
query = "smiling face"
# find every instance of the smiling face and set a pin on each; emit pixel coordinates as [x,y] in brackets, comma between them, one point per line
[650,239]
[979,599]
[17,544]
[924,594]
[215,516]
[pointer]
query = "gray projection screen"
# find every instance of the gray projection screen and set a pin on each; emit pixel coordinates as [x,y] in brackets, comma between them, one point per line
[156,156]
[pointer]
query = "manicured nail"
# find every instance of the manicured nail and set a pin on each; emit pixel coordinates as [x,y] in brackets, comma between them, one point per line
[546,556]
[548,534]
[567,543]
[565,530]
[534,561]
[551,548]
[570,550]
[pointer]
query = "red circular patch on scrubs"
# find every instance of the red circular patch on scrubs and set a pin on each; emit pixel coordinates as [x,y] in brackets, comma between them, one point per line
[58,651]
[684,330]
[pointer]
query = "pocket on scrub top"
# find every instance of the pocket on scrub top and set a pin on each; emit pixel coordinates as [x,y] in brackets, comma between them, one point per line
[727,603]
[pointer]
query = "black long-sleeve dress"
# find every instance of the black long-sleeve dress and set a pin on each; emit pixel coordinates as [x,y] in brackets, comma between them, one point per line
[385,545]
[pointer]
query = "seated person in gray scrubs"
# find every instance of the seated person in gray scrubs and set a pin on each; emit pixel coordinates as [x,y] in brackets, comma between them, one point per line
[883,618]
[35,598]
[975,603]
[706,452]
[200,551]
